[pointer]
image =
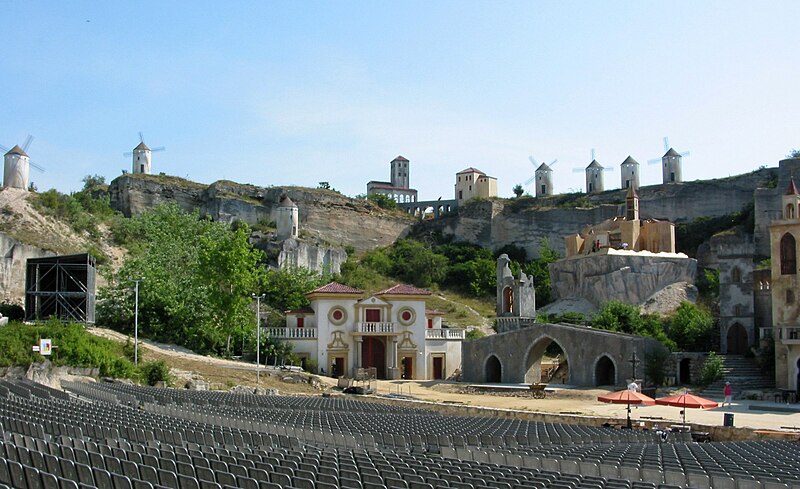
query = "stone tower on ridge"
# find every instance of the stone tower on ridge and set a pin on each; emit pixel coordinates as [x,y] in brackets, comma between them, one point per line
[142,159]
[594,178]
[544,180]
[288,219]
[671,167]
[16,168]
[629,172]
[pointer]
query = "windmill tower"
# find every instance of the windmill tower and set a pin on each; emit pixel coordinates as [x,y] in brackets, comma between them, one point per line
[629,172]
[17,164]
[671,164]
[594,176]
[142,157]
[543,176]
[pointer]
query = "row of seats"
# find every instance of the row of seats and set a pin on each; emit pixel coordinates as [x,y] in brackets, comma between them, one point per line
[51,442]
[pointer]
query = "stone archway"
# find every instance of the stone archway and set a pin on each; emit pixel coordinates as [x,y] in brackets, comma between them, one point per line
[545,346]
[737,340]
[493,370]
[605,372]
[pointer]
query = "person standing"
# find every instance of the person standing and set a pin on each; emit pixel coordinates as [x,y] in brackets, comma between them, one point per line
[728,391]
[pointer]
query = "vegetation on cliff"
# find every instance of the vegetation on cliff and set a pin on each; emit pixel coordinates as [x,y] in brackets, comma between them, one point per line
[690,235]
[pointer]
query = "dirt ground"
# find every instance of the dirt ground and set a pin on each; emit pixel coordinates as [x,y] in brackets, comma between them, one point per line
[564,400]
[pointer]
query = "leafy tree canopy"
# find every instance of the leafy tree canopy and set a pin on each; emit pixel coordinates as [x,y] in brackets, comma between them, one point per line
[197,277]
[691,328]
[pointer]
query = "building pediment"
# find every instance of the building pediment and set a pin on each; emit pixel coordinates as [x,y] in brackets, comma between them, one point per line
[372,302]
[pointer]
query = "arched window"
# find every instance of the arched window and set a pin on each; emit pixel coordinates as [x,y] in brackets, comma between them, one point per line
[788,255]
[788,213]
[736,275]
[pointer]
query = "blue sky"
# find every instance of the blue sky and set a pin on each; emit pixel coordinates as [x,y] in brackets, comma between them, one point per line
[294,93]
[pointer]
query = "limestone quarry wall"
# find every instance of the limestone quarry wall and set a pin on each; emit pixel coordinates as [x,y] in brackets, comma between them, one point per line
[627,276]
[13,257]
[324,215]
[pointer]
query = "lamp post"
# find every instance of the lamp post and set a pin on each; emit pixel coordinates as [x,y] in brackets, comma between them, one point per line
[258,336]
[136,323]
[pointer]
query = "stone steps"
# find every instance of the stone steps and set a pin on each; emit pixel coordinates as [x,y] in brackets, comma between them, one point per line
[743,374]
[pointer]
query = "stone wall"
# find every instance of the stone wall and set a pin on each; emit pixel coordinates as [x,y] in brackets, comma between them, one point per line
[627,276]
[324,215]
[519,353]
[13,259]
[321,259]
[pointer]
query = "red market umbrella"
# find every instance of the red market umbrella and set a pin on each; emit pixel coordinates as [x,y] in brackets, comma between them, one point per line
[628,397]
[687,400]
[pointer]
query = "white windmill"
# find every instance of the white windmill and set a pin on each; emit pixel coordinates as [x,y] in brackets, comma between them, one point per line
[142,156]
[670,164]
[543,176]
[594,175]
[17,163]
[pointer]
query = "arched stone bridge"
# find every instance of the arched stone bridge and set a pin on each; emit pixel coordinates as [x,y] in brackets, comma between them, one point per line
[594,356]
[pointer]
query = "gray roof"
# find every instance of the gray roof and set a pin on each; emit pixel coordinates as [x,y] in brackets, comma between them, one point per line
[544,167]
[286,201]
[671,152]
[630,161]
[594,164]
[141,146]
[16,150]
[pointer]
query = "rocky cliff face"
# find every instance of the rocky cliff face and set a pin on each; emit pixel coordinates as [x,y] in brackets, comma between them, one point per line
[627,276]
[525,222]
[13,257]
[324,215]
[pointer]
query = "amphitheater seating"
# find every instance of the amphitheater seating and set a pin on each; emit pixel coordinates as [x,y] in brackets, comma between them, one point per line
[128,437]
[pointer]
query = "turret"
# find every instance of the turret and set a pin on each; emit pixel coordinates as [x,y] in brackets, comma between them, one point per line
[288,219]
[632,205]
[400,178]
[791,202]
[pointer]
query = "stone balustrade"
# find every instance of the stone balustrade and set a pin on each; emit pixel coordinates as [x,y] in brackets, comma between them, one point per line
[445,334]
[292,333]
[379,328]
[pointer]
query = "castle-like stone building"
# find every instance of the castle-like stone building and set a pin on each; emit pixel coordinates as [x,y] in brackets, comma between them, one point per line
[398,187]
[471,183]
[784,238]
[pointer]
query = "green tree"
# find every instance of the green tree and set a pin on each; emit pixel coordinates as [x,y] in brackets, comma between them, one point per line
[712,369]
[691,328]
[538,269]
[197,277]
[382,201]
[655,366]
[626,318]
[286,288]
[795,153]
[518,190]
[415,263]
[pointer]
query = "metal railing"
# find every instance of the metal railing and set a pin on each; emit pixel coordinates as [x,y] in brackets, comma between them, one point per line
[445,334]
[766,333]
[292,333]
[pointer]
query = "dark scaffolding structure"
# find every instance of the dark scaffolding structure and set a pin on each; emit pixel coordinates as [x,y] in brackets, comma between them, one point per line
[61,287]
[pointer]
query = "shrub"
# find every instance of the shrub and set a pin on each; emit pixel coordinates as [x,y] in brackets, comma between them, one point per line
[474,334]
[712,369]
[154,372]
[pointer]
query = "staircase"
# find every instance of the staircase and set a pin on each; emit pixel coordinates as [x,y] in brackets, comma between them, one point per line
[743,374]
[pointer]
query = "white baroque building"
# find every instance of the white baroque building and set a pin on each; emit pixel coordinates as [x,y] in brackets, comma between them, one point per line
[391,330]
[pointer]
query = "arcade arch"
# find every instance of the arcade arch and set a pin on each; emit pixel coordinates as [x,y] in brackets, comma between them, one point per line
[493,370]
[605,372]
[546,348]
